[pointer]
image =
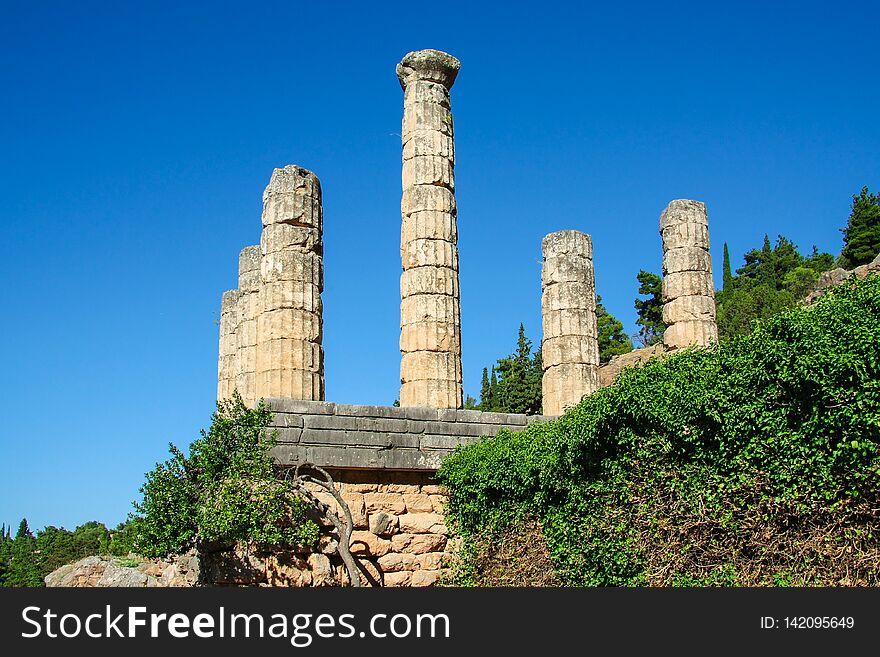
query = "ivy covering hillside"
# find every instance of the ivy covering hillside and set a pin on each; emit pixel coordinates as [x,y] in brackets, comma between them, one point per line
[752,463]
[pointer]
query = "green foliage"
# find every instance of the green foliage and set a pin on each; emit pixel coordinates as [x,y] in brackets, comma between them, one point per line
[515,384]
[224,491]
[754,462]
[650,310]
[772,279]
[861,237]
[727,279]
[611,336]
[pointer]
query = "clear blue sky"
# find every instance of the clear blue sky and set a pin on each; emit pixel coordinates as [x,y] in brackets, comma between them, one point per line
[136,140]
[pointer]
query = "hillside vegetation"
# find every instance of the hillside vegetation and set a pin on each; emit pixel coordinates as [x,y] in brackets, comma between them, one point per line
[752,463]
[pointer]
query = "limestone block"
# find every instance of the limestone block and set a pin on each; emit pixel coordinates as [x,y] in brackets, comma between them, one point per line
[565,385]
[430,336]
[570,349]
[687,284]
[293,196]
[357,506]
[684,334]
[426,91]
[678,235]
[683,211]
[687,258]
[292,295]
[428,142]
[570,322]
[567,242]
[299,266]
[431,394]
[288,324]
[425,115]
[689,309]
[429,365]
[396,561]
[429,280]
[428,224]
[280,237]
[434,489]
[382,524]
[367,543]
[572,295]
[418,543]
[388,503]
[425,578]
[418,502]
[394,579]
[249,259]
[295,384]
[429,252]
[427,198]
[428,170]
[566,269]
[430,308]
[431,560]
[247,333]
[422,523]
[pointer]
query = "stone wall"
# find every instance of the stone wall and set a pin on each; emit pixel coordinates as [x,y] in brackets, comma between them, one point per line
[383,460]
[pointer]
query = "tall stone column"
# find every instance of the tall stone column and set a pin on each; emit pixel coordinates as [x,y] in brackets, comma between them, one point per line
[430,316]
[688,289]
[228,361]
[570,348]
[249,284]
[289,355]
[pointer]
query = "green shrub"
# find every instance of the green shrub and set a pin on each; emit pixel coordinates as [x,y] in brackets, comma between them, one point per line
[753,462]
[225,491]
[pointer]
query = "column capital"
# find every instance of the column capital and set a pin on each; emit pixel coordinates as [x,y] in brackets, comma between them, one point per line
[431,65]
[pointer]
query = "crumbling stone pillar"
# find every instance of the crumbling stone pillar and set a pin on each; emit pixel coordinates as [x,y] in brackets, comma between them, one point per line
[688,289]
[430,316]
[570,348]
[249,284]
[289,355]
[228,361]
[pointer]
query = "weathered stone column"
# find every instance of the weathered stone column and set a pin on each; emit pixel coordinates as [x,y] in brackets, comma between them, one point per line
[289,356]
[228,360]
[249,284]
[688,289]
[570,348]
[430,316]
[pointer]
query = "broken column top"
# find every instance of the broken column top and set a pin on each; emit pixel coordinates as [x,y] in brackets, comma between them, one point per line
[290,179]
[249,260]
[567,242]
[431,65]
[683,211]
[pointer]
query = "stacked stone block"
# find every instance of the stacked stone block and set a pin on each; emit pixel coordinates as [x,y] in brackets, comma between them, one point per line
[570,348]
[430,316]
[289,354]
[228,361]
[688,288]
[249,284]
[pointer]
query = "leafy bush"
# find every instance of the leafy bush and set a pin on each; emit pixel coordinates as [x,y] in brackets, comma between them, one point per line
[753,462]
[224,491]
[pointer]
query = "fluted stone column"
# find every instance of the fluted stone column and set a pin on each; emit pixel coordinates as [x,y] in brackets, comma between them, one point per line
[688,289]
[228,360]
[289,355]
[430,316]
[249,284]
[570,348]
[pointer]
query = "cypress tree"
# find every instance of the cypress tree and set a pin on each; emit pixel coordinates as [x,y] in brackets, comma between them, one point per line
[727,279]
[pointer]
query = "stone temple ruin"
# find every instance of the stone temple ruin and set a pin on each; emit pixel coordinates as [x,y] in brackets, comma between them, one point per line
[383,458]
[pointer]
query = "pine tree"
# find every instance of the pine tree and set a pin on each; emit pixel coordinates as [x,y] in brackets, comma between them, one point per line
[484,391]
[861,237]
[650,310]
[727,280]
[611,336]
[23,569]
